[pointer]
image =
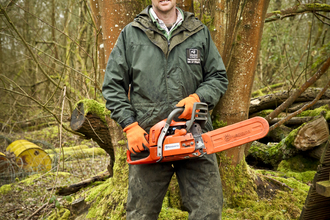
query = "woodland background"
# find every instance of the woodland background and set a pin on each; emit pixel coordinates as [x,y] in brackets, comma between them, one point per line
[54,53]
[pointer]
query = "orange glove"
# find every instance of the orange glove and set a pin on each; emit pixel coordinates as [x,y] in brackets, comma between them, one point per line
[188,104]
[136,138]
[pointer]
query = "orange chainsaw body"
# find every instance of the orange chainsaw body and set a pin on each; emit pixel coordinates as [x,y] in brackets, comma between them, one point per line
[180,144]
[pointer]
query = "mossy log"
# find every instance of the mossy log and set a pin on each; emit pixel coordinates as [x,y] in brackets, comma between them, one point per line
[271,101]
[318,104]
[67,190]
[293,121]
[269,156]
[317,152]
[88,118]
[278,133]
[302,138]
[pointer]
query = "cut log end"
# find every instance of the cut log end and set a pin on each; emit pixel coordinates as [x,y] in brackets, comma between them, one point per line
[312,134]
[78,117]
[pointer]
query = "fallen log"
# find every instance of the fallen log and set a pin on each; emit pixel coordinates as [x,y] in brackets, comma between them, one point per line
[89,118]
[67,190]
[317,152]
[297,106]
[278,134]
[302,138]
[271,155]
[271,101]
[293,121]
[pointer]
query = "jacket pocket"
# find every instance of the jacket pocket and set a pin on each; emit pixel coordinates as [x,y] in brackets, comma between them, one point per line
[143,118]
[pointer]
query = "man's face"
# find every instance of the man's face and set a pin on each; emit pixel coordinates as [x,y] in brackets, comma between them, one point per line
[163,6]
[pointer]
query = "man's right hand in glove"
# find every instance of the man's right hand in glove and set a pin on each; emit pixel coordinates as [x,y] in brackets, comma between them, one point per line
[136,138]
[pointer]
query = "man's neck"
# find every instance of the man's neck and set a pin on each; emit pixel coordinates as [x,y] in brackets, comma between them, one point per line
[168,18]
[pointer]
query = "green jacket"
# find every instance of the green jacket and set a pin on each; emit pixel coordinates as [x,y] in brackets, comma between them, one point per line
[161,72]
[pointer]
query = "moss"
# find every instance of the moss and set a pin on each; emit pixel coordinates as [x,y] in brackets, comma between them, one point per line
[282,205]
[299,163]
[265,112]
[238,182]
[48,177]
[216,123]
[5,189]
[122,142]
[109,198]
[318,5]
[61,214]
[172,214]
[317,112]
[94,107]
[267,89]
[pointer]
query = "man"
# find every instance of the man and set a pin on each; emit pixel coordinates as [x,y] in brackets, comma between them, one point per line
[167,58]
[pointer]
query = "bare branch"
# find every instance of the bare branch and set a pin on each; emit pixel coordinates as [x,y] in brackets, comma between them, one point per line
[37,102]
[296,94]
[295,10]
[306,106]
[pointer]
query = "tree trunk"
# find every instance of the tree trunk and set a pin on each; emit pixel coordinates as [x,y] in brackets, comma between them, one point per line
[96,14]
[92,126]
[234,106]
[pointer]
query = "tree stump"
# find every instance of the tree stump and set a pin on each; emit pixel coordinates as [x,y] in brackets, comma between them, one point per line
[91,125]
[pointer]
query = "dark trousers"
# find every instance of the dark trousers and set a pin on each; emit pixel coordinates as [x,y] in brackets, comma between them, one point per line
[199,182]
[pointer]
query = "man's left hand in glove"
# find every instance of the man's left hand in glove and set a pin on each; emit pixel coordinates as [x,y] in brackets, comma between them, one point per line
[188,104]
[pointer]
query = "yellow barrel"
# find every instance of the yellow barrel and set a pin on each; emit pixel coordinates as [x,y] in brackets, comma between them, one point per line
[29,156]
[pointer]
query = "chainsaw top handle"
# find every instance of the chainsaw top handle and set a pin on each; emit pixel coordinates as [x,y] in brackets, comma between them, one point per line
[176,112]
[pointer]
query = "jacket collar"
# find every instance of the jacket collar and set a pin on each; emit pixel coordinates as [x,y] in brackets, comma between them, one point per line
[190,23]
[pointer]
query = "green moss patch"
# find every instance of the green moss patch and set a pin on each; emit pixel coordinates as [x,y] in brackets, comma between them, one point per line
[317,112]
[94,107]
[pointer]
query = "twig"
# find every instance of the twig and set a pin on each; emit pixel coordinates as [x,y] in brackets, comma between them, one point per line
[277,182]
[91,57]
[44,107]
[61,147]
[36,212]
[306,106]
[26,45]
[316,15]
[296,94]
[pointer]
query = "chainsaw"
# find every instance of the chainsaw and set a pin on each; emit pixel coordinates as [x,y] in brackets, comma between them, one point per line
[171,140]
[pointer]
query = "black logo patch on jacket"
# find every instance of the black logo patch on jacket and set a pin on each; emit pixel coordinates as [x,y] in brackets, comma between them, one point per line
[193,56]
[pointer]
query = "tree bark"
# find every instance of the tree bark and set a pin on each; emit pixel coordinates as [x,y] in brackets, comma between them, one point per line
[93,127]
[96,15]
[234,106]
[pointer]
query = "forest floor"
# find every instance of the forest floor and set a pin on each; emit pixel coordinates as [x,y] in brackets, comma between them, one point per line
[23,197]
